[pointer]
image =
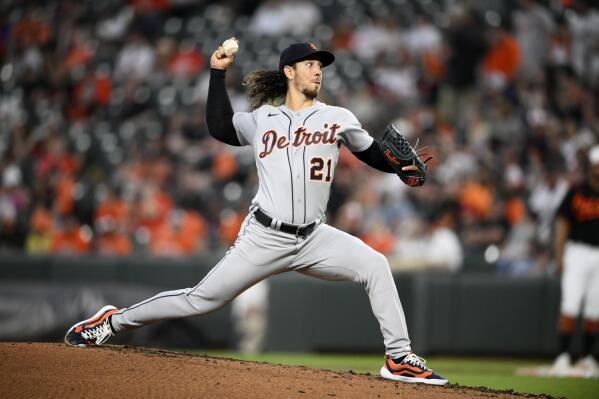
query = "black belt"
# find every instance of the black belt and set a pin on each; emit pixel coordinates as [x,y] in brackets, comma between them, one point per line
[300,231]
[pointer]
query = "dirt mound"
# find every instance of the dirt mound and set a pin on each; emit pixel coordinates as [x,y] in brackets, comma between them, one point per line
[54,370]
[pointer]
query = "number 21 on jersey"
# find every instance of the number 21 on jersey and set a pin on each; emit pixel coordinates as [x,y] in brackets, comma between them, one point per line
[317,164]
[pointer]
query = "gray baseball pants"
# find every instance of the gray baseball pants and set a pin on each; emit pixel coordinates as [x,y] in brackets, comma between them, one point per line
[259,252]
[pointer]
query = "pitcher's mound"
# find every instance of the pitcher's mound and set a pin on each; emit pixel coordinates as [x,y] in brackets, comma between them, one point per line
[36,370]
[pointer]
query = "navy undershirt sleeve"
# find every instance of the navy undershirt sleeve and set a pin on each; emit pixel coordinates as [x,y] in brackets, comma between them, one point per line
[373,156]
[219,113]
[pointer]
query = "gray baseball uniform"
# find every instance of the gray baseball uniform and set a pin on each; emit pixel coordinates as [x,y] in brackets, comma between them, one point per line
[296,154]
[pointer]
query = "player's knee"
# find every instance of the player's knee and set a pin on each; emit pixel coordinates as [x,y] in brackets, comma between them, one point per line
[567,324]
[591,326]
[204,302]
[379,266]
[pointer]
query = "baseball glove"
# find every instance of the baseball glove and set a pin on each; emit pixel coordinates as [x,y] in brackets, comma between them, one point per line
[399,153]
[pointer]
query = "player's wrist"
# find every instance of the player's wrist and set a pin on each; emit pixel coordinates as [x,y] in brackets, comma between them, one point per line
[217,72]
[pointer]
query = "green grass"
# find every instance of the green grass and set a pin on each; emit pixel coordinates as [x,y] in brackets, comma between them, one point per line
[491,373]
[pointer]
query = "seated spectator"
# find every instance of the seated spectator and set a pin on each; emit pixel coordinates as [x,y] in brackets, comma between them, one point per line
[188,62]
[70,238]
[110,240]
[230,223]
[437,247]
[476,198]
[114,207]
[516,254]
[191,230]
[343,35]
[152,209]
[181,234]
[378,236]
[39,238]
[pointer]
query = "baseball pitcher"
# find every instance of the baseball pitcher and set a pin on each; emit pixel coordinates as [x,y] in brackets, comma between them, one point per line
[295,140]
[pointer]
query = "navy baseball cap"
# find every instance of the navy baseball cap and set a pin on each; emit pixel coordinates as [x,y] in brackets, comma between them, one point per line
[304,51]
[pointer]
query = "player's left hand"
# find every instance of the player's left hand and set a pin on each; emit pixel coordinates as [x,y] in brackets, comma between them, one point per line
[403,158]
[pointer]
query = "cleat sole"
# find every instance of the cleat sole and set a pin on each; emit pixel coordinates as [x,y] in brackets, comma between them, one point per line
[385,373]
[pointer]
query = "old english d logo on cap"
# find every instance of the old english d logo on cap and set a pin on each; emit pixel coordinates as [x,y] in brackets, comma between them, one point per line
[303,51]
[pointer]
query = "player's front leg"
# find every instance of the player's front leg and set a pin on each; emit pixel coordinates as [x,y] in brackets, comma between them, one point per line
[346,258]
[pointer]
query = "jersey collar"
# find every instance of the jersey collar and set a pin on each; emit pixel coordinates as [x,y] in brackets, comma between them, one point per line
[317,105]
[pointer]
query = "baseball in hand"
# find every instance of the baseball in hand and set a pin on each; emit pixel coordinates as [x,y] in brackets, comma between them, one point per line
[230,46]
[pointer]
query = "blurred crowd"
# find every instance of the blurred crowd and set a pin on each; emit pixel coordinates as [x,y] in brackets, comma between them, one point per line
[104,148]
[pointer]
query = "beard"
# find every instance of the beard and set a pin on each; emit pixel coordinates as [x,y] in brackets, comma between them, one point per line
[310,94]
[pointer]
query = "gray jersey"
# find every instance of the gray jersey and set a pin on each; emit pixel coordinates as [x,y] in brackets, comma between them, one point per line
[296,154]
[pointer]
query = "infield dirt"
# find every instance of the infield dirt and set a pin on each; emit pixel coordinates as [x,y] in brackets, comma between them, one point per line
[44,370]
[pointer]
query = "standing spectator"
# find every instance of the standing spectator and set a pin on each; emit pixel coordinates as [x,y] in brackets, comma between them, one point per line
[516,255]
[278,17]
[249,314]
[546,196]
[577,257]
[135,60]
[375,37]
[423,36]
[13,204]
[584,30]
[465,48]
[533,29]
[502,60]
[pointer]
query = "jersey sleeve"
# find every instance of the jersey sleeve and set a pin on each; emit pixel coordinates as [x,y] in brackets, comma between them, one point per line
[245,126]
[352,135]
[565,208]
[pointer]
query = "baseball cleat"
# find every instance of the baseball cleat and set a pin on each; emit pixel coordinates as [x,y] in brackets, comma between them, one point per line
[562,366]
[94,331]
[589,367]
[410,368]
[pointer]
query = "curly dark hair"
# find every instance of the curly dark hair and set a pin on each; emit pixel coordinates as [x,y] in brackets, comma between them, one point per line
[265,87]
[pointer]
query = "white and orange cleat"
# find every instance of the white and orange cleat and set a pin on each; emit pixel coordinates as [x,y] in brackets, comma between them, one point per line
[410,368]
[94,331]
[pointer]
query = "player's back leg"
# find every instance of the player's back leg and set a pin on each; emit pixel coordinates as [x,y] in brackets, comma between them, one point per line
[255,256]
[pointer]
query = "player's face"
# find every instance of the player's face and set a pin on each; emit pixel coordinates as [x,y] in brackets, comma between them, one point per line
[308,77]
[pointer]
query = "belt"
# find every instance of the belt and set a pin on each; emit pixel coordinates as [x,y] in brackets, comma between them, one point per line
[302,231]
